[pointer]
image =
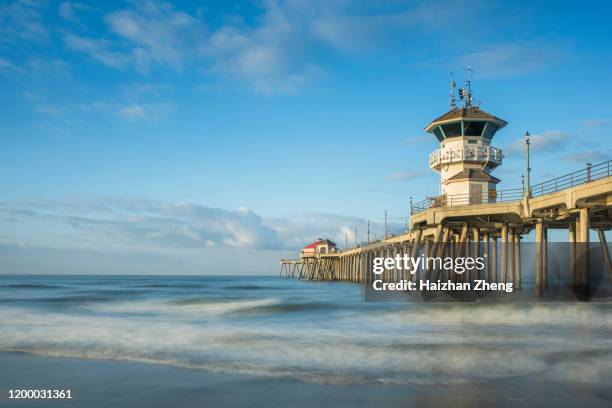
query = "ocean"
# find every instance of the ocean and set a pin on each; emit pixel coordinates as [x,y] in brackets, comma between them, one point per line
[253,339]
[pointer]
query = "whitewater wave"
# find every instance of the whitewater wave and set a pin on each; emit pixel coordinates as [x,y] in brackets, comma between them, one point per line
[189,307]
[354,349]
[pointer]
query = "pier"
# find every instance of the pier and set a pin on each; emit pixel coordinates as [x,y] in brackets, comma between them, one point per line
[577,203]
[472,218]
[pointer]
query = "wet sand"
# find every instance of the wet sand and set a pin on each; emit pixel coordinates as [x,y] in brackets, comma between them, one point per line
[100,383]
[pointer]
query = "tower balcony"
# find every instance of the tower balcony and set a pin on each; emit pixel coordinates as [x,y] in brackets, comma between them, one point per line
[489,155]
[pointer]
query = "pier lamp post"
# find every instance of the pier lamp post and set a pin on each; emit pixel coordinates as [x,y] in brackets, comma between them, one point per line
[386,229]
[528,169]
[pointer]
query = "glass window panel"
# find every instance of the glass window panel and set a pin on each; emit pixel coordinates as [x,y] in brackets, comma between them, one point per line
[452,129]
[438,133]
[489,131]
[473,128]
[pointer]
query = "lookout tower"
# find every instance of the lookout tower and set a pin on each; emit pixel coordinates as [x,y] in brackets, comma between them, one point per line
[465,158]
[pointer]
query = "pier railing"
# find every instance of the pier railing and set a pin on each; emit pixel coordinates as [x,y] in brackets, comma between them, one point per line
[589,173]
[452,200]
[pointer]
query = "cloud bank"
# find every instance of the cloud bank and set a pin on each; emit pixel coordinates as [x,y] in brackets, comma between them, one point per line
[126,233]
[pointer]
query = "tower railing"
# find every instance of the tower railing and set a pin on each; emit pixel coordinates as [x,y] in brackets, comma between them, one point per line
[463,153]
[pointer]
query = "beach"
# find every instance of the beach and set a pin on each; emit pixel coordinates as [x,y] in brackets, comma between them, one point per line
[266,341]
[126,384]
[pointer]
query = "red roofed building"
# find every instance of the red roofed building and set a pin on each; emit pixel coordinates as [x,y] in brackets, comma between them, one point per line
[320,246]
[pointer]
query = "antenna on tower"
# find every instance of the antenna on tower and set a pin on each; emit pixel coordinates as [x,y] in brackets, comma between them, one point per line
[467,101]
[452,103]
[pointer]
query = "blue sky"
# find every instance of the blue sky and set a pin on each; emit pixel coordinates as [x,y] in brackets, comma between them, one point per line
[149,137]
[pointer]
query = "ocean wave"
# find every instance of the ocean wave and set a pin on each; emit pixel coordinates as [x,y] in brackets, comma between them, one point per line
[349,350]
[246,287]
[189,307]
[173,285]
[31,286]
[535,314]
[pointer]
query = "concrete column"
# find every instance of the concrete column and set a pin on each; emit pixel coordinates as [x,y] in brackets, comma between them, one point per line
[440,251]
[467,275]
[349,268]
[584,225]
[460,251]
[517,258]
[504,252]
[347,272]
[511,255]
[426,253]
[583,245]
[476,234]
[545,258]
[493,261]
[415,247]
[572,251]
[539,239]
[605,253]
[485,254]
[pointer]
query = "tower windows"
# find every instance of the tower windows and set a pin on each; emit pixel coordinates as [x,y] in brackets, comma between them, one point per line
[452,129]
[489,131]
[473,128]
[438,134]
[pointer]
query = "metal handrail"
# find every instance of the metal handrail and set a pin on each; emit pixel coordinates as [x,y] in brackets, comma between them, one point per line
[453,200]
[589,173]
[586,175]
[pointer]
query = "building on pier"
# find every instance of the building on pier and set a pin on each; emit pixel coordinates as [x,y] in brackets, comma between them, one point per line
[320,246]
[465,158]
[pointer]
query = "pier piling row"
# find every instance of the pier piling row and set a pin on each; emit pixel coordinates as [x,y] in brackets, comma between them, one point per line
[478,229]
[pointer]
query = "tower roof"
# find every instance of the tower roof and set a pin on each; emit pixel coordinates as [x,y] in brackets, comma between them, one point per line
[466,113]
[473,174]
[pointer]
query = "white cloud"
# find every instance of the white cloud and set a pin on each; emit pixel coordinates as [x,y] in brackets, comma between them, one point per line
[143,224]
[593,156]
[99,50]
[68,10]
[144,236]
[596,123]
[132,111]
[158,34]
[509,59]
[404,176]
[154,225]
[547,142]
[48,110]
[8,66]
[21,20]
[419,139]
[278,51]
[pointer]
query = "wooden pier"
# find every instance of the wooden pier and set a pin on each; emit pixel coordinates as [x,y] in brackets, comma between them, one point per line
[494,226]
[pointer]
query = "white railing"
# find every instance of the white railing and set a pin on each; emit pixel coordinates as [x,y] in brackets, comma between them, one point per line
[465,153]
